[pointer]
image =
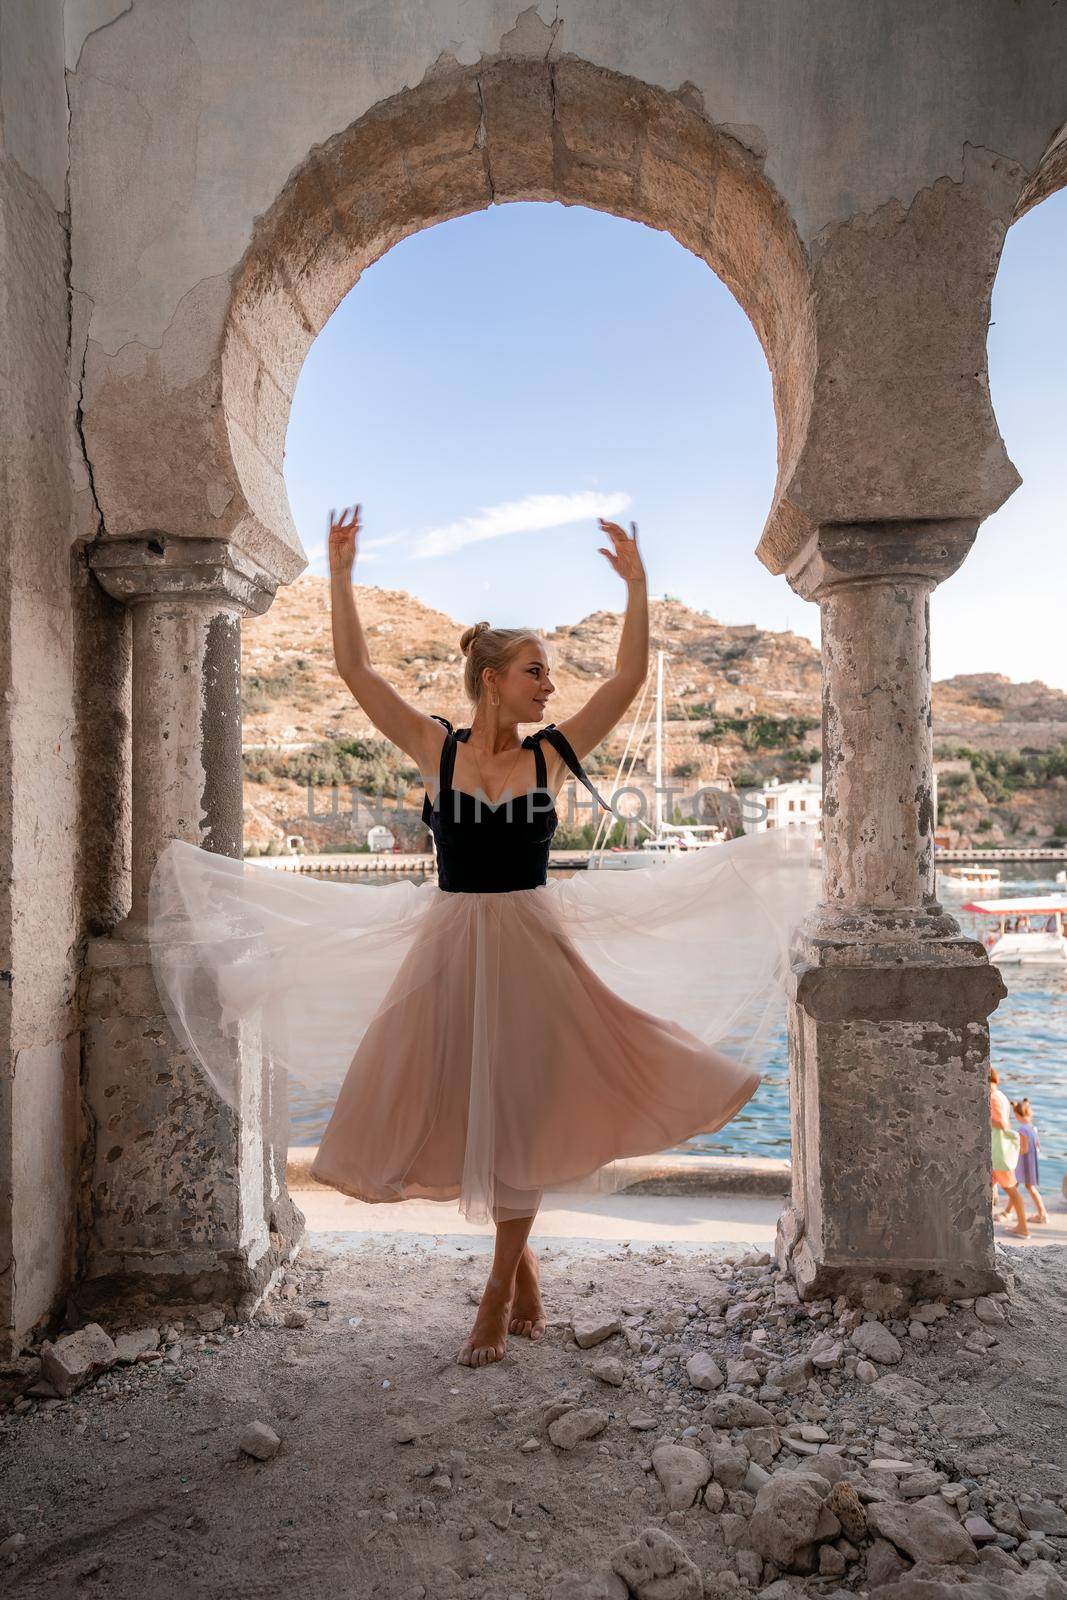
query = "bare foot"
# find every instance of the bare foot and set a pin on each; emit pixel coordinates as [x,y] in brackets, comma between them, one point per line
[1038,1216]
[1017,1233]
[528,1311]
[488,1337]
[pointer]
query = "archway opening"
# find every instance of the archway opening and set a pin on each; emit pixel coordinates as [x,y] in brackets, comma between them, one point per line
[514,132]
[485,392]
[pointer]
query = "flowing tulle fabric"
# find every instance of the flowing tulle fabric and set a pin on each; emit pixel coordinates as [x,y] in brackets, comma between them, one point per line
[483,1047]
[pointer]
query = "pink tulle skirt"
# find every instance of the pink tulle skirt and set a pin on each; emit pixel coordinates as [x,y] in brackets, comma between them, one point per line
[484,1047]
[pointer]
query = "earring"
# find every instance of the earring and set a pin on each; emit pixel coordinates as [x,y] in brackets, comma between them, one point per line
[494,700]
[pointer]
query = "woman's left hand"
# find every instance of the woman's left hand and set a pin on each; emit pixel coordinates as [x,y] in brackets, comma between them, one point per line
[625,558]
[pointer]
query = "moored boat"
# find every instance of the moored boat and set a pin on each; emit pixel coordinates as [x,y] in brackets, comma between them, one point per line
[1031,929]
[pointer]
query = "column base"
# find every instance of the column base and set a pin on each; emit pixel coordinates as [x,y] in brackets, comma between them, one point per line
[184,1199]
[889,1051]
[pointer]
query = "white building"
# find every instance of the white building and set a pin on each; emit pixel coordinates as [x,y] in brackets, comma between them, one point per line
[379,837]
[788,805]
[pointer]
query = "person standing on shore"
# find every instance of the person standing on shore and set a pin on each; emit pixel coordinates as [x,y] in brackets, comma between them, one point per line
[1026,1168]
[1005,1142]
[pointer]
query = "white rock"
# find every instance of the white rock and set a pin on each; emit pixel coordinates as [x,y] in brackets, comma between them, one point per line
[138,1342]
[591,1330]
[609,1369]
[874,1340]
[682,1472]
[259,1441]
[791,1519]
[573,1427]
[703,1373]
[714,1496]
[729,1463]
[925,1530]
[828,1354]
[75,1357]
[792,1374]
[929,1311]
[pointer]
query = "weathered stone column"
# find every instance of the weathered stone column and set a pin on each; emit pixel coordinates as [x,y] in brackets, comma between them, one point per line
[889,1038]
[186,1197]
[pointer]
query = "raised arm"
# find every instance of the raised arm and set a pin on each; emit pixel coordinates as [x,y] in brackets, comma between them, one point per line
[416,733]
[606,704]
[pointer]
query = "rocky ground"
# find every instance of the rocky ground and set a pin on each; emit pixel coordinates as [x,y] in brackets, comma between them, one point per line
[685,1430]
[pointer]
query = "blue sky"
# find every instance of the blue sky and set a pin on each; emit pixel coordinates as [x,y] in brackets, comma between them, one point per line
[495,383]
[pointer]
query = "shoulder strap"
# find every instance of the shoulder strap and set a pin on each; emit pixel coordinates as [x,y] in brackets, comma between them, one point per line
[558,739]
[427,808]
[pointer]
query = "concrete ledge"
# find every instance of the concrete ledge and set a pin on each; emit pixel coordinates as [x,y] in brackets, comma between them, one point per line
[660,1174]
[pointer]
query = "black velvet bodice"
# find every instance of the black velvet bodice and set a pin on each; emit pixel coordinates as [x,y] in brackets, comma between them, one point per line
[487,849]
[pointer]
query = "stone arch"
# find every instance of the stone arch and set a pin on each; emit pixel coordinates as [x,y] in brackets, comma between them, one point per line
[508,130]
[1048,176]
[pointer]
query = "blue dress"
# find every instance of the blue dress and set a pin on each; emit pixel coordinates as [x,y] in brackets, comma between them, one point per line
[1026,1168]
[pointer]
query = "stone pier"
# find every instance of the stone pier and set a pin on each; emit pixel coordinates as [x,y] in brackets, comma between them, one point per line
[186,1197]
[888,1030]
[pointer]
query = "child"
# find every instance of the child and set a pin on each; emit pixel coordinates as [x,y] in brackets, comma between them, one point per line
[1026,1171]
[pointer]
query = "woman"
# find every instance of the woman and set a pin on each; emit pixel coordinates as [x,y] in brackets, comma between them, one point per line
[497,1034]
[1005,1154]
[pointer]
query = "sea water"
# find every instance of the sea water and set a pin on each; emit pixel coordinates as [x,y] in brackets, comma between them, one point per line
[1028,1046]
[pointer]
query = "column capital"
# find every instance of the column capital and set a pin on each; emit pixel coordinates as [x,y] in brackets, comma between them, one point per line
[159,566]
[847,554]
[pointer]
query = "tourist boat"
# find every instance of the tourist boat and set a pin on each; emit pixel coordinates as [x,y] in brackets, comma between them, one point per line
[672,839]
[1039,939]
[666,839]
[968,877]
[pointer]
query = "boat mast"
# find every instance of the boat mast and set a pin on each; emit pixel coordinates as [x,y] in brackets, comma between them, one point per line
[659,742]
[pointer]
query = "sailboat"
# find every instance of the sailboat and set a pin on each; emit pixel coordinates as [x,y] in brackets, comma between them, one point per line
[665,839]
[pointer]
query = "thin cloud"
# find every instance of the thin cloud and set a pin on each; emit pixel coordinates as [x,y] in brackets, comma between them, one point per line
[530,515]
[535,512]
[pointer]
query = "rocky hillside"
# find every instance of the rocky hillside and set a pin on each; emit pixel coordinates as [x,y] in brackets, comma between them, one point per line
[743,704]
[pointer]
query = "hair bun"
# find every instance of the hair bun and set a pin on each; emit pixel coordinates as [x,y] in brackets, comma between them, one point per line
[468,638]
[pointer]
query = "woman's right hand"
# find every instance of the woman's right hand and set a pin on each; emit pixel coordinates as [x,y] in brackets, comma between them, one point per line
[341,543]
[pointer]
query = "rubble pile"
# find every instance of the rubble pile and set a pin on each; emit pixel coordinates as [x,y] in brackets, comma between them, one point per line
[681,1433]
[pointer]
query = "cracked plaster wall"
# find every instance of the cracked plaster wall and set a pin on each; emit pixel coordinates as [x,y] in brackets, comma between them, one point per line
[900,139]
[45,606]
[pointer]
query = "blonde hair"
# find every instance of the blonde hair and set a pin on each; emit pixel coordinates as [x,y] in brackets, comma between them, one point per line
[486,646]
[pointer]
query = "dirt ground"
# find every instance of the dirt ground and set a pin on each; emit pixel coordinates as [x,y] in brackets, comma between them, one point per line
[403,1474]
